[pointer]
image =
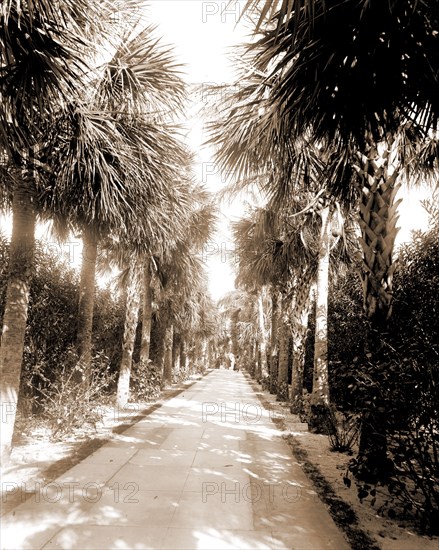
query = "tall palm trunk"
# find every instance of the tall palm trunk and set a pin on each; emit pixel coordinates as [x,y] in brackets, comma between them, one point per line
[184,367]
[379,170]
[234,332]
[273,343]
[204,354]
[378,218]
[176,351]
[320,386]
[284,344]
[129,336]
[86,301]
[300,316]
[146,313]
[253,358]
[263,372]
[16,306]
[167,358]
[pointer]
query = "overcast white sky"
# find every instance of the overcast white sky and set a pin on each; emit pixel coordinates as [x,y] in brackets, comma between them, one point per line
[204,34]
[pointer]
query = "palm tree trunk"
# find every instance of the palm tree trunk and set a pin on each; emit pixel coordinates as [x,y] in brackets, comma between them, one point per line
[176,351]
[263,373]
[183,357]
[320,387]
[131,317]
[273,345]
[16,306]
[86,302]
[253,359]
[234,331]
[145,342]
[167,359]
[284,344]
[379,171]
[204,354]
[300,316]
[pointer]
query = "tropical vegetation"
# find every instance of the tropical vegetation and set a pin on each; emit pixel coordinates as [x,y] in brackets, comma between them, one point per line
[334,110]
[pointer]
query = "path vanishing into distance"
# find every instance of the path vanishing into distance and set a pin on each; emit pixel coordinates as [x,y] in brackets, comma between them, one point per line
[206,470]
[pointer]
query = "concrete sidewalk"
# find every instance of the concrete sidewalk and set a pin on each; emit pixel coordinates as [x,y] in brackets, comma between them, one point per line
[208,469]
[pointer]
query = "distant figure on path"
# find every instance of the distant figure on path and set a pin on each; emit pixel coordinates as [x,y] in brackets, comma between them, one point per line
[231,361]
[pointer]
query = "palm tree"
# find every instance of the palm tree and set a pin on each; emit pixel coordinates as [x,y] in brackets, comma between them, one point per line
[133,255]
[146,308]
[257,268]
[183,276]
[362,77]
[41,47]
[132,303]
[262,262]
[238,308]
[260,153]
[331,253]
[117,164]
[191,198]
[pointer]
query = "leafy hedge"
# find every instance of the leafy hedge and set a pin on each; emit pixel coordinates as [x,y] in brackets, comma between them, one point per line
[51,328]
[406,382]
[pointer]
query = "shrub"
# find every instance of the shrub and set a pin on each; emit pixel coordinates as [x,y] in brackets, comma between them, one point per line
[345,431]
[401,386]
[68,404]
[145,381]
[412,426]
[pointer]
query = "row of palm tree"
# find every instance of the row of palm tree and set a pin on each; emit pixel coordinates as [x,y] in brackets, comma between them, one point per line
[89,140]
[338,99]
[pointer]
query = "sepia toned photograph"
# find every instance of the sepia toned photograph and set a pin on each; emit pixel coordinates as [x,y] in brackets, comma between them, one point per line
[219,274]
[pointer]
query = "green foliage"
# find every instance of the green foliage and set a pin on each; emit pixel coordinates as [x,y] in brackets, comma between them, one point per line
[145,381]
[414,329]
[405,397]
[52,323]
[345,430]
[399,383]
[68,404]
[108,326]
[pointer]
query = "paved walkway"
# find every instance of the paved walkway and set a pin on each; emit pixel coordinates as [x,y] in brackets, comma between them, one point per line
[208,469]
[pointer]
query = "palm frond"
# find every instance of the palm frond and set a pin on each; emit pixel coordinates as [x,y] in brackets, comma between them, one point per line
[142,76]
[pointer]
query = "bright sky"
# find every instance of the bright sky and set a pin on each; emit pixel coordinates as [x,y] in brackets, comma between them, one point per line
[204,34]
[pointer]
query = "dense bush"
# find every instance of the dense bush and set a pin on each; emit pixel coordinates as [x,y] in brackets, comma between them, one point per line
[108,326]
[414,329]
[409,394]
[405,381]
[52,324]
[145,381]
[346,336]
[68,404]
